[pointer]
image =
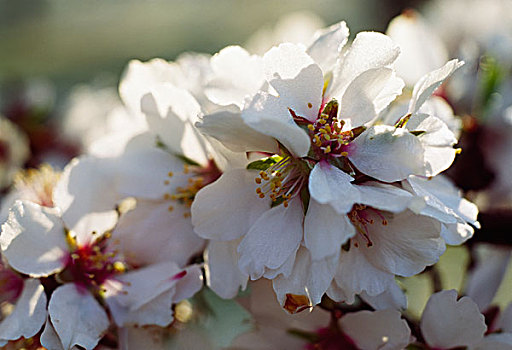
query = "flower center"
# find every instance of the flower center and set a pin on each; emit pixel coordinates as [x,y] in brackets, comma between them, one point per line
[282,180]
[91,265]
[361,217]
[198,177]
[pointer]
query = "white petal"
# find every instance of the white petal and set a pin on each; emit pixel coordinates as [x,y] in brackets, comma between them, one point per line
[28,315]
[171,113]
[393,298]
[227,208]
[448,322]
[495,341]
[272,239]
[188,285]
[367,95]
[421,49]
[150,234]
[429,83]
[356,274]
[386,153]
[33,240]
[405,246]
[77,317]
[325,231]
[384,197]
[487,276]
[505,320]
[222,273]
[269,115]
[286,61]
[138,79]
[133,179]
[330,185]
[377,330]
[144,296]
[326,48]
[229,65]
[49,338]
[308,278]
[86,194]
[302,94]
[229,128]
[369,50]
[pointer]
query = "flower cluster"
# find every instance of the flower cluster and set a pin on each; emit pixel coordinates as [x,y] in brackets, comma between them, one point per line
[315,167]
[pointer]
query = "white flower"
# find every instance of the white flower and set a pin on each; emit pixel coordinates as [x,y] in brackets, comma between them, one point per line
[319,174]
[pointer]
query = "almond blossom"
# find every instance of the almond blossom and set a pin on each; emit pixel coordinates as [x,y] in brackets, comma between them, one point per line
[317,186]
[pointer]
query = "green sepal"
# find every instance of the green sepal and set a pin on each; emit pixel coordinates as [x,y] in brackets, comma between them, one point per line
[264,164]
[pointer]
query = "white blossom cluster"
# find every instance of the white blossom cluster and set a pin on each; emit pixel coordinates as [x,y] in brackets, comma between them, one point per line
[314,167]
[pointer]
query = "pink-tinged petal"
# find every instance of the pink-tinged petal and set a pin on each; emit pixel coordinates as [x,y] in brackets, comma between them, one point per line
[325,231]
[228,127]
[33,240]
[447,322]
[188,284]
[387,153]
[272,239]
[377,330]
[405,245]
[222,273]
[227,208]
[78,319]
[302,94]
[28,315]
[421,49]
[171,113]
[368,94]
[330,185]
[426,86]
[308,281]
[145,296]
[285,61]
[487,276]
[329,42]
[393,298]
[87,196]
[369,50]
[151,233]
[269,115]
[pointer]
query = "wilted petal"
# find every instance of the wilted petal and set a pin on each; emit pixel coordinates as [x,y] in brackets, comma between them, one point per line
[33,240]
[227,208]
[78,319]
[447,322]
[28,314]
[272,239]
[377,330]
